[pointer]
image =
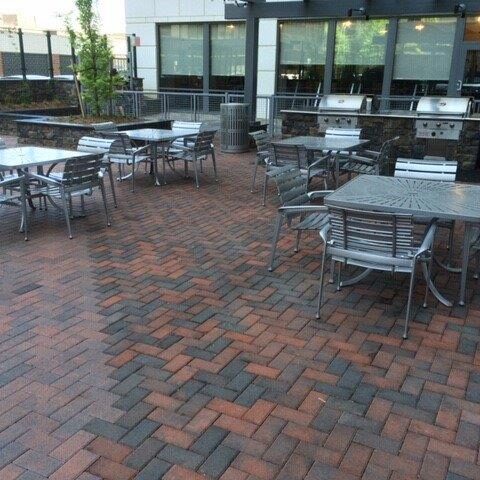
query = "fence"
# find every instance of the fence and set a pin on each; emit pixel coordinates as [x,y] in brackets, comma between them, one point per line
[29,54]
[26,53]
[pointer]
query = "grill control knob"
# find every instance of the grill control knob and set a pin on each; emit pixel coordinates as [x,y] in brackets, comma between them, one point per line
[326,119]
[349,120]
[452,125]
[439,124]
[425,124]
[337,120]
[434,134]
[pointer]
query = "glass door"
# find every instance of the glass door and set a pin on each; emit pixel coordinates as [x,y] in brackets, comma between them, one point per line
[468,73]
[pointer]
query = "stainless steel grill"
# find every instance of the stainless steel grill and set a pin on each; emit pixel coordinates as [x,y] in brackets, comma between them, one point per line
[339,111]
[441,117]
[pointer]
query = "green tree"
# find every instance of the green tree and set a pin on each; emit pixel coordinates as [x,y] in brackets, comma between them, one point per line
[95,57]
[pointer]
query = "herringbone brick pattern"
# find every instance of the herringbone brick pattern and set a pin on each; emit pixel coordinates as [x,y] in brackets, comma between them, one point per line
[162,348]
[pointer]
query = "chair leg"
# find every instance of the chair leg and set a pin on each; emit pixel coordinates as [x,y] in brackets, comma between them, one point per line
[112,184]
[133,175]
[450,244]
[339,276]
[265,182]
[195,169]
[477,266]
[429,273]
[255,167]
[24,223]
[322,274]
[105,207]
[297,241]
[409,302]
[82,203]
[276,234]
[214,161]
[67,213]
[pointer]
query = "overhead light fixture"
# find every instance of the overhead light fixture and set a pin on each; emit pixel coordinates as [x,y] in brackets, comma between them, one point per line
[362,12]
[460,9]
[419,26]
[347,23]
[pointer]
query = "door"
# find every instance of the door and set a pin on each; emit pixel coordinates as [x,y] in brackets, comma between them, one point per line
[467,72]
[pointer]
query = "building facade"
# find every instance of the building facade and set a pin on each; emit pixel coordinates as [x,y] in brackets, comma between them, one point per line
[383,47]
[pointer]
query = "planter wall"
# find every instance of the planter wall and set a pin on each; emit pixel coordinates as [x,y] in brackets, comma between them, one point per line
[66,135]
[32,91]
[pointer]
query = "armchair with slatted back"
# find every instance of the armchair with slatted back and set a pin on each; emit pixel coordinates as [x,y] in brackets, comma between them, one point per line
[433,168]
[376,241]
[263,141]
[292,186]
[102,147]
[193,154]
[368,162]
[80,177]
[296,156]
[123,153]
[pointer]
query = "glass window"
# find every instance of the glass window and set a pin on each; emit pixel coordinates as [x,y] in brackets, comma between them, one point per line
[227,43]
[181,55]
[303,51]
[423,56]
[359,56]
[472,29]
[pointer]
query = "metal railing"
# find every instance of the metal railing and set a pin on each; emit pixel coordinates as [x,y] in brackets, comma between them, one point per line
[199,106]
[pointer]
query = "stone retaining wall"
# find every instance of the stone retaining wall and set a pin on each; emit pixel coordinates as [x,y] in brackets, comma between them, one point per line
[34,91]
[66,135]
[379,128]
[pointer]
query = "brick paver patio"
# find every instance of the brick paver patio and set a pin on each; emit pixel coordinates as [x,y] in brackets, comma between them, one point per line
[162,348]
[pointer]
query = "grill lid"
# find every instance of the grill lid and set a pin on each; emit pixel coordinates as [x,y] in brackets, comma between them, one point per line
[455,106]
[352,103]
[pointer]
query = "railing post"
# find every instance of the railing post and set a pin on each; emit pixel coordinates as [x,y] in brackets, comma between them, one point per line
[271,115]
[49,50]
[22,54]
[194,98]
[165,105]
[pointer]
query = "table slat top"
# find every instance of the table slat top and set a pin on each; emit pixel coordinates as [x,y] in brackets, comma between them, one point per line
[158,135]
[428,198]
[31,156]
[323,143]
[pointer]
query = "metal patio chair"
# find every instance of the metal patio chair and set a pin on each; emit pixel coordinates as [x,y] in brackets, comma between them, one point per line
[193,127]
[430,168]
[376,241]
[79,179]
[263,141]
[13,193]
[123,153]
[194,153]
[297,156]
[368,162]
[101,146]
[296,203]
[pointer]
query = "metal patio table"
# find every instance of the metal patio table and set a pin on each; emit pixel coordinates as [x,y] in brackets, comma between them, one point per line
[19,158]
[324,144]
[22,158]
[155,137]
[421,198]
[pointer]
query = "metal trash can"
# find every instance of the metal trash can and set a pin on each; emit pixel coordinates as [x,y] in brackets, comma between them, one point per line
[234,125]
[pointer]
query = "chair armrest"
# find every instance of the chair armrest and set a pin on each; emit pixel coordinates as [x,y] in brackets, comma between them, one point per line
[319,193]
[137,151]
[43,178]
[9,181]
[324,233]
[318,161]
[303,209]
[428,238]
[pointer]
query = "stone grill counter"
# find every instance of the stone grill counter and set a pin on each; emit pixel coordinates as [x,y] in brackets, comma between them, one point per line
[379,127]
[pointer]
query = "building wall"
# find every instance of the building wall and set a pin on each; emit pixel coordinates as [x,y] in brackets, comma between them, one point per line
[143,15]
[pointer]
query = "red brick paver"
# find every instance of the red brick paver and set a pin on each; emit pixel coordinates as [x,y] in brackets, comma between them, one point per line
[163,348]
